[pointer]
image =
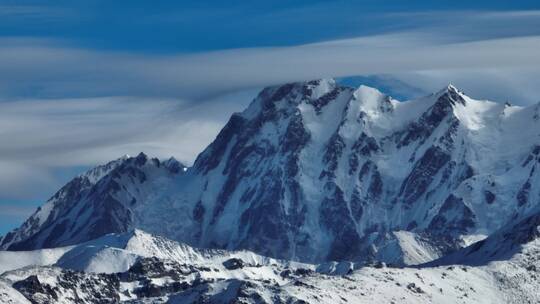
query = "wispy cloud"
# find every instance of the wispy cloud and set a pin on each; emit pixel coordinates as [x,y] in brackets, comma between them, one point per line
[490,42]
[56,72]
[38,137]
[16,210]
[32,13]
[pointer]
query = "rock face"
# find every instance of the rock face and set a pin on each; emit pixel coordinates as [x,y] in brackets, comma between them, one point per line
[521,238]
[72,287]
[315,172]
[93,204]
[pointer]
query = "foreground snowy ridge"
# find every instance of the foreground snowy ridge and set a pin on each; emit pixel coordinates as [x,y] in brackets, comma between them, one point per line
[137,267]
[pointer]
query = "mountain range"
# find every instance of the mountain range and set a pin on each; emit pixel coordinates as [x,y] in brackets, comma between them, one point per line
[314,187]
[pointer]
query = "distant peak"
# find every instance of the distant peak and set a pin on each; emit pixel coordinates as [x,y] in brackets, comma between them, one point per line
[171,159]
[322,82]
[367,89]
[273,97]
[372,100]
[311,87]
[451,87]
[317,88]
[174,165]
[368,94]
[450,94]
[141,159]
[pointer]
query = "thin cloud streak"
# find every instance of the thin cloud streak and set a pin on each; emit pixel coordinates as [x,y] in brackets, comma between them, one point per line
[16,210]
[54,72]
[40,137]
[433,41]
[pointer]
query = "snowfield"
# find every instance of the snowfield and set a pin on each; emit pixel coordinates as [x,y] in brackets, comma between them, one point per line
[140,268]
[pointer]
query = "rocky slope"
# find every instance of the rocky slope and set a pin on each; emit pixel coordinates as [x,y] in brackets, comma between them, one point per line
[315,172]
[94,203]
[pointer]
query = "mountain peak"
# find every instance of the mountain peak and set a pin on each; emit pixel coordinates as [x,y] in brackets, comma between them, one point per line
[95,174]
[263,183]
[313,88]
[174,165]
[368,90]
[320,87]
[451,87]
[285,96]
[450,95]
[141,154]
[372,100]
[141,157]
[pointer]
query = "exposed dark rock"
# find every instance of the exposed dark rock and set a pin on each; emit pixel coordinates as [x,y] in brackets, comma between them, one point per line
[87,288]
[233,264]
[334,150]
[198,212]
[364,146]
[31,287]
[211,157]
[431,119]
[321,102]
[412,287]
[336,218]
[533,155]
[422,174]
[523,194]
[453,218]
[489,197]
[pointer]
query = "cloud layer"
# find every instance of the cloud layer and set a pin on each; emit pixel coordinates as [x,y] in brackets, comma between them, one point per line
[51,69]
[39,137]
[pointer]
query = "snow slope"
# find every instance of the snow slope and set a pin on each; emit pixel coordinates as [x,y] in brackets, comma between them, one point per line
[9,295]
[214,276]
[118,252]
[518,241]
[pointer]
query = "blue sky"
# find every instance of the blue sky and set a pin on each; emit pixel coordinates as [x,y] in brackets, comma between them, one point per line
[84,82]
[193,26]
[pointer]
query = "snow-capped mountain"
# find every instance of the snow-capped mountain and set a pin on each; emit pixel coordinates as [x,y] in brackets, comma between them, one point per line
[316,171]
[93,204]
